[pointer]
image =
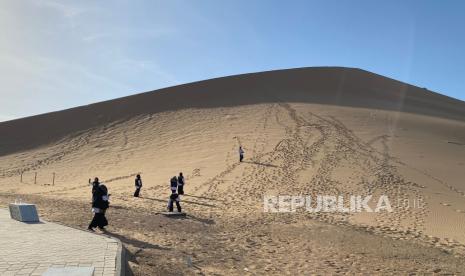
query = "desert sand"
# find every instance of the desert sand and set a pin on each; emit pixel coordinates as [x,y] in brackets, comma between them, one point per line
[309,131]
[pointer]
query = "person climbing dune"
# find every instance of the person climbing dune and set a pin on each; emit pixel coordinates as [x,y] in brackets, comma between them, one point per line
[174,198]
[138,184]
[241,154]
[180,184]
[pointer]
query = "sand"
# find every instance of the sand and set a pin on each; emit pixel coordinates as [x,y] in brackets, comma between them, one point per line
[311,131]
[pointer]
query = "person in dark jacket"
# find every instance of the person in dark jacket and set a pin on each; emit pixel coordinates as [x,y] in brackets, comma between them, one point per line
[174,198]
[138,184]
[95,184]
[180,184]
[173,184]
[100,204]
[241,154]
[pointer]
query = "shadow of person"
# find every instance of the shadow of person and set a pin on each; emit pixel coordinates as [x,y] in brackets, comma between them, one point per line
[134,242]
[202,197]
[183,201]
[198,203]
[154,199]
[202,220]
[260,164]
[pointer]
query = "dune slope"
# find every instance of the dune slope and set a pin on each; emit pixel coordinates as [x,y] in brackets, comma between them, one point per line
[311,131]
[319,85]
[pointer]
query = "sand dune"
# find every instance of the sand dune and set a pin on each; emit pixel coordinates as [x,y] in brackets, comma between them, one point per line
[310,131]
[320,85]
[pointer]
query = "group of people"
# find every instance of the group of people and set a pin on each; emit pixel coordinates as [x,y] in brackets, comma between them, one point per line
[177,189]
[176,186]
[100,196]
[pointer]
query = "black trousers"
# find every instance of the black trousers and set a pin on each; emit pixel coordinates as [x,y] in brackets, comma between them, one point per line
[136,193]
[170,206]
[181,189]
[241,157]
[99,221]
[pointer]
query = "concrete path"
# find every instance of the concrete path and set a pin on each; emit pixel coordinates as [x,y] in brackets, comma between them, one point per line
[30,249]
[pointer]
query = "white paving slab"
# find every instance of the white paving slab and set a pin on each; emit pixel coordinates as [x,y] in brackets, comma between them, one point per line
[32,248]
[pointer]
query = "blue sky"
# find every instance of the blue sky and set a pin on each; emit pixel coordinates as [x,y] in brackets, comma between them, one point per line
[61,54]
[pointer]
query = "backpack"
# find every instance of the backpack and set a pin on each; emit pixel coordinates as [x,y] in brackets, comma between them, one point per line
[105,203]
[104,189]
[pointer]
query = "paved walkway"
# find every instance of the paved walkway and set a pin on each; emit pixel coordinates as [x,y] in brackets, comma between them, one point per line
[30,249]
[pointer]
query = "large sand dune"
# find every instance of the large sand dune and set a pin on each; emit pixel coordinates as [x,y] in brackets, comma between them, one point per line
[310,131]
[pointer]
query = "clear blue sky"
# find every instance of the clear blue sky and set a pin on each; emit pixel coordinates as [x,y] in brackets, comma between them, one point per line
[61,54]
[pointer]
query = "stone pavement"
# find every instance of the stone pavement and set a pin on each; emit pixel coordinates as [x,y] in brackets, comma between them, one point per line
[30,249]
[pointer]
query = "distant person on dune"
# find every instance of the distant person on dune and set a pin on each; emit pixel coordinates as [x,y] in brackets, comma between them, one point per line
[138,184]
[174,184]
[180,184]
[100,204]
[241,154]
[95,184]
[174,198]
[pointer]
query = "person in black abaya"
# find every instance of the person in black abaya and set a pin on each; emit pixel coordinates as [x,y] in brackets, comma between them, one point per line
[180,184]
[138,184]
[100,204]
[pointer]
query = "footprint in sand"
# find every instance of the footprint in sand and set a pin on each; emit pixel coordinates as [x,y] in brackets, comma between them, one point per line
[196,172]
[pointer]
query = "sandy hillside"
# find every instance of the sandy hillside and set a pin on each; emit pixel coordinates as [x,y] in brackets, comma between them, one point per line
[312,131]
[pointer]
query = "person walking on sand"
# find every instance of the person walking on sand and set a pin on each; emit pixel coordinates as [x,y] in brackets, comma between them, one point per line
[174,198]
[180,184]
[138,184]
[173,184]
[95,184]
[241,154]
[100,204]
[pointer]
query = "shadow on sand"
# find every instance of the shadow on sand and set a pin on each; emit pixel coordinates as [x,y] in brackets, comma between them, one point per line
[33,222]
[260,164]
[455,143]
[134,242]
[194,218]
[202,220]
[202,197]
[182,201]
[129,256]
